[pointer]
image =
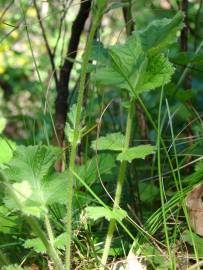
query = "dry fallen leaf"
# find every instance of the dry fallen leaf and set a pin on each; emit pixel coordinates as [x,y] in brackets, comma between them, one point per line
[194,202]
[133,263]
[34,267]
[119,266]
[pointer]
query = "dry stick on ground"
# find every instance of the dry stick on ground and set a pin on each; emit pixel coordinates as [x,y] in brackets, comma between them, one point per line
[61,104]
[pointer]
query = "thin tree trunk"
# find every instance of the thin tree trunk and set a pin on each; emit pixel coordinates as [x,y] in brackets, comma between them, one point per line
[61,104]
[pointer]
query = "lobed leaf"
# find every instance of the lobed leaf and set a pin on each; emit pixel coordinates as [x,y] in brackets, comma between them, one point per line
[160,34]
[139,64]
[100,211]
[140,151]
[36,185]
[112,141]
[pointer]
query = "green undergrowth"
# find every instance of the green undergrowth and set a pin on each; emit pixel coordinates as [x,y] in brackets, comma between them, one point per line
[116,194]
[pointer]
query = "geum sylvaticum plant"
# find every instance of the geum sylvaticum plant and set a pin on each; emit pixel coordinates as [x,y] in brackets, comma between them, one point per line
[31,184]
[34,190]
[138,65]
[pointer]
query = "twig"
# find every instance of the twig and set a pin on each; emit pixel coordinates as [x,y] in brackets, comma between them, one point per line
[196,265]
[50,54]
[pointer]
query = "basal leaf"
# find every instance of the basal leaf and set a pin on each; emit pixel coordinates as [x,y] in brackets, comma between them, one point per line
[36,195]
[36,185]
[112,141]
[140,151]
[7,147]
[55,188]
[99,212]
[32,162]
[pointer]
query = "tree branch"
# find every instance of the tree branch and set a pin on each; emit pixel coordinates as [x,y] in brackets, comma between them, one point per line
[50,54]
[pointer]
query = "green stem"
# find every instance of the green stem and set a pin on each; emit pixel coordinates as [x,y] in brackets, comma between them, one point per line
[119,187]
[35,226]
[161,184]
[50,249]
[49,230]
[97,16]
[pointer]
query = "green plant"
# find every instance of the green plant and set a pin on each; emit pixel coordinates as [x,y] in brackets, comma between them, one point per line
[136,66]
[43,209]
[98,10]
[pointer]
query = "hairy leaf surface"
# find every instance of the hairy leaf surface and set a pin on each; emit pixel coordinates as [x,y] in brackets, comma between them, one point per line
[139,64]
[100,211]
[140,151]
[36,184]
[112,141]
[160,34]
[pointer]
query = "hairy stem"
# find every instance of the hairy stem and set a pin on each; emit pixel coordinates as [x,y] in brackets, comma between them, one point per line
[119,187]
[49,230]
[97,16]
